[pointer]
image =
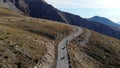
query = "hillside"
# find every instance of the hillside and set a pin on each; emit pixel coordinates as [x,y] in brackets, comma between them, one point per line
[8,4]
[27,42]
[104,21]
[94,50]
[41,9]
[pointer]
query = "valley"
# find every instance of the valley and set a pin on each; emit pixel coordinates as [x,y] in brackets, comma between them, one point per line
[34,34]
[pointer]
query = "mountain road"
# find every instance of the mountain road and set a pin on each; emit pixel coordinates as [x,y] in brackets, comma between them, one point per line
[62,59]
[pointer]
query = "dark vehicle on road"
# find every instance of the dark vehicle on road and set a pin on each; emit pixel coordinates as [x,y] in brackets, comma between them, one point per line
[63,48]
[62,57]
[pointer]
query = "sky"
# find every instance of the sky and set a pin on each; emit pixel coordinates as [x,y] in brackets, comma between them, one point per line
[89,8]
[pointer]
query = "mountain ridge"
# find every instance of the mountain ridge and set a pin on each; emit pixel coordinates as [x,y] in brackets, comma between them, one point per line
[27,42]
[104,21]
[41,9]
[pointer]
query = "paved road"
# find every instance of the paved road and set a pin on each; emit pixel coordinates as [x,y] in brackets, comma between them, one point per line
[62,60]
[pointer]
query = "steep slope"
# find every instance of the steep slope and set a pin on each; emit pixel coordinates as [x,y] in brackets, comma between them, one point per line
[27,42]
[40,9]
[7,12]
[8,4]
[96,26]
[104,21]
[94,50]
[37,8]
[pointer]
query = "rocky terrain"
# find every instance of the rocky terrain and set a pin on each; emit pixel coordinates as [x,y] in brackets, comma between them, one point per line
[41,9]
[93,50]
[27,42]
[8,4]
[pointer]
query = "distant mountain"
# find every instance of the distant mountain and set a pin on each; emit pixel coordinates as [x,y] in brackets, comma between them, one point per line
[27,42]
[41,9]
[104,21]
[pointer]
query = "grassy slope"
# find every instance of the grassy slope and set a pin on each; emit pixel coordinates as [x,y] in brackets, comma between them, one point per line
[100,52]
[39,26]
[18,47]
[42,26]
[26,41]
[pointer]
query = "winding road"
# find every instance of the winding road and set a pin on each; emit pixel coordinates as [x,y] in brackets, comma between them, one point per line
[62,59]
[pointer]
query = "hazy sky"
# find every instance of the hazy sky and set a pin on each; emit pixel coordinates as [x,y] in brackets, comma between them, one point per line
[89,8]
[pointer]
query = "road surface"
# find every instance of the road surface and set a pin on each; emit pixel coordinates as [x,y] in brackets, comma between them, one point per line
[62,59]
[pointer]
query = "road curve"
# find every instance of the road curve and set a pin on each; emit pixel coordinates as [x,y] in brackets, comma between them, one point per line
[62,59]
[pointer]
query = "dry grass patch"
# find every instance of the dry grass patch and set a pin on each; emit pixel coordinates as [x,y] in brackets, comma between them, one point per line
[20,48]
[50,29]
[26,42]
[46,28]
[7,12]
[100,52]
